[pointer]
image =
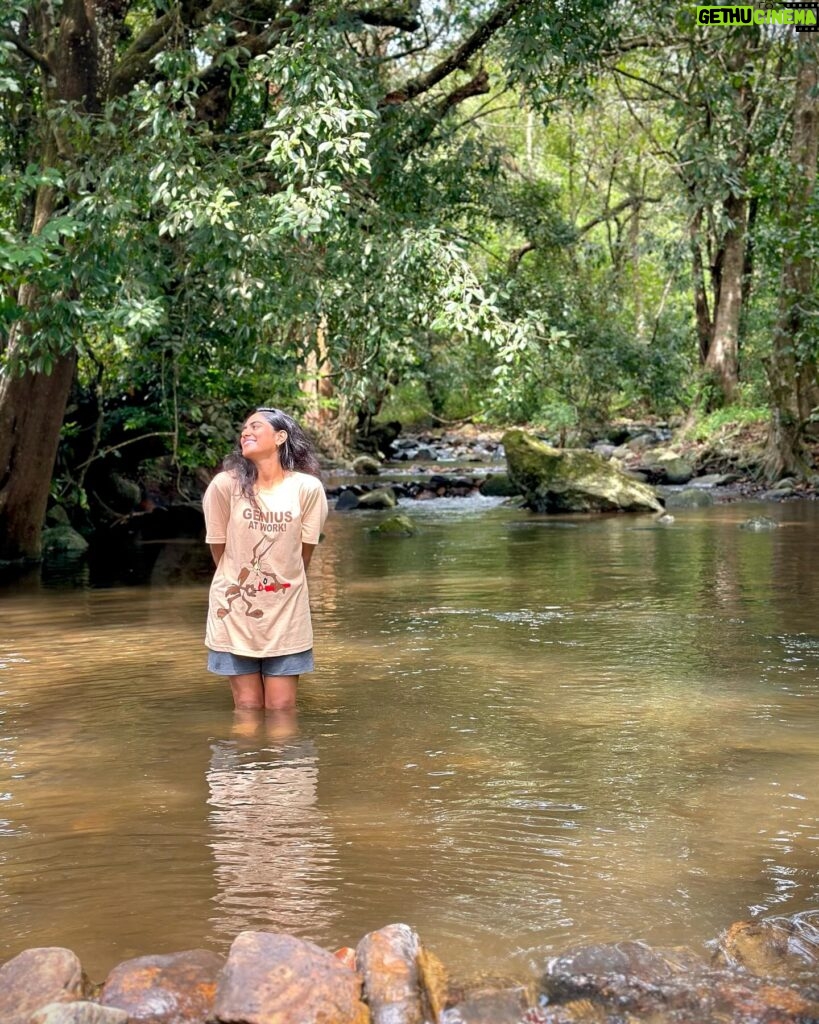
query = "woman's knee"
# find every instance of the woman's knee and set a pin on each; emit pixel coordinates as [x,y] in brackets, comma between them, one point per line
[248,692]
[280,692]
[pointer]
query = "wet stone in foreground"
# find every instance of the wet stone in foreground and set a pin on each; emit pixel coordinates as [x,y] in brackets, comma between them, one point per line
[607,984]
[37,977]
[164,989]
[388,961]
[273,978]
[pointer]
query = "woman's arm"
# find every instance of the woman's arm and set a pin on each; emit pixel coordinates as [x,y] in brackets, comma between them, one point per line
[307,553]
[217,550]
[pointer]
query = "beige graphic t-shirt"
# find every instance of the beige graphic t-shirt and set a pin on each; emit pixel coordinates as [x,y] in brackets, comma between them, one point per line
[259,605]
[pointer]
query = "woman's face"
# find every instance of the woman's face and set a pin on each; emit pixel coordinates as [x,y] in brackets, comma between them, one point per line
[259,439]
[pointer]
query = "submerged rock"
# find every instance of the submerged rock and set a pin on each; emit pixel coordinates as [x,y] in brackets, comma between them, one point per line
[605,971]
[490,1003]
[779,948]
[176,986]
[632,981]
[273,978]
[759,523]
[37,977]
[395,526]
[553,480]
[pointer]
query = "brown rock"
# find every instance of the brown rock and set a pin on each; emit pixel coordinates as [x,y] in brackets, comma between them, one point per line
[605,970]
[432,977]
[79,1013]
[37,977]
[749,1001]
[272,978]
[666,987]
[499,1006]
[177,988]
[778,948]
[388,961]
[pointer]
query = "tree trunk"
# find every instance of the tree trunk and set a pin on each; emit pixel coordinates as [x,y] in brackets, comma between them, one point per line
[330,425]
[31,416]
[723,355]
[793,374]
[703,317]
[32,406]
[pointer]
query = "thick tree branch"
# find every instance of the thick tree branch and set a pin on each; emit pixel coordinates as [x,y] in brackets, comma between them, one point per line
[607,215]
[136,62]
[652,85]
[517,255]
[33,55]
[477,86]
[457,59]
[622,46]
[633,201]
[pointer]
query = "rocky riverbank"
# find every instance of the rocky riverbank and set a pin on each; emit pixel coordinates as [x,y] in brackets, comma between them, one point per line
[763,972]
[435,463]
[462,463]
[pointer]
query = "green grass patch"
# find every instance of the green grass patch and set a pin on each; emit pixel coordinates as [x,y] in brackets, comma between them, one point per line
[726,421]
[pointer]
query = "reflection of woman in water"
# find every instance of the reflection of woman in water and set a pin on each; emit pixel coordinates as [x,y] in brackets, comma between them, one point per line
[264,513]
[270,842]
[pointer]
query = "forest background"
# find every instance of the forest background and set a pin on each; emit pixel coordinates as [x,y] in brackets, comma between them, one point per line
[551,212]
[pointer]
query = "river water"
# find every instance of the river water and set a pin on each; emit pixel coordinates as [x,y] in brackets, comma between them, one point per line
[523,733]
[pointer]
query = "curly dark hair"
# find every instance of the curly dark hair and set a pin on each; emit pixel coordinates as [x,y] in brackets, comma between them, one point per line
[295,454]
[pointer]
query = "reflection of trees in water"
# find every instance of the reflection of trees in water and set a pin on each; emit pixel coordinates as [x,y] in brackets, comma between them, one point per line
[273,848]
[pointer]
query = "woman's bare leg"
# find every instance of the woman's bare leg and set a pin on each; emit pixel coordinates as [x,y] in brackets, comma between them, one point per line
[280,692]
[248,691]
[280,724]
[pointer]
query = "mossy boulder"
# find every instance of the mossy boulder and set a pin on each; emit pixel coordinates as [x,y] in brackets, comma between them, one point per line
[676,468]
[63,540]
[691,497]
[366,465]
[498,485]
[382,497]
[557,480]
[395,526]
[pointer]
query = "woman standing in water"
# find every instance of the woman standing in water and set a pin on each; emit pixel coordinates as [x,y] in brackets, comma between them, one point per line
[264,513]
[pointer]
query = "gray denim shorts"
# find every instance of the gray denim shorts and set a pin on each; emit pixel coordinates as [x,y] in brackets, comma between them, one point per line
[223,663]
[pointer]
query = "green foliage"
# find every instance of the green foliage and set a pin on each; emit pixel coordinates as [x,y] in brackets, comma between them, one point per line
[238,215]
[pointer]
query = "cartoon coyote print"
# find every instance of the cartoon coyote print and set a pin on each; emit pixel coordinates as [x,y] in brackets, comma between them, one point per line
[246,587]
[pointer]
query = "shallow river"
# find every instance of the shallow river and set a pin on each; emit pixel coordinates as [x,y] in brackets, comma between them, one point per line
[523,733]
